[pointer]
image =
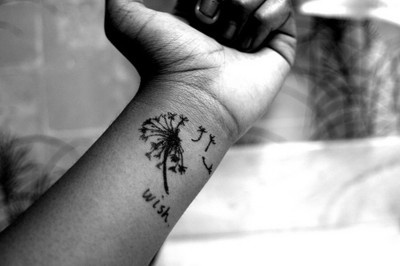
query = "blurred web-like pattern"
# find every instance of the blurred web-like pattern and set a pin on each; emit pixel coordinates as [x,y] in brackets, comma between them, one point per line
[339,95]
[354,78]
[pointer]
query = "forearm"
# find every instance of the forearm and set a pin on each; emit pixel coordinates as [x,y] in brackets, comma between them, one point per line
[118,203]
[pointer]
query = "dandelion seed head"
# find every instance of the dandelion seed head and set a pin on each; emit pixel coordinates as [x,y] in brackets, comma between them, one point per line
[166,142]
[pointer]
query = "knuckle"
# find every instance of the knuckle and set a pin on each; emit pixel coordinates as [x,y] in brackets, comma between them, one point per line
[261,18]
[285,6]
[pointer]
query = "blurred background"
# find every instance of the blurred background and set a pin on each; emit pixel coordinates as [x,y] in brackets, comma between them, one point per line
[314,181]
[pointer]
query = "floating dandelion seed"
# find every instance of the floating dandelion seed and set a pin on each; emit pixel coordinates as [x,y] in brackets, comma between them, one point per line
[212,141]
[202,131]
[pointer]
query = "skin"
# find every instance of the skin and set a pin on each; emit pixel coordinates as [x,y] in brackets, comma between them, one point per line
[96,214]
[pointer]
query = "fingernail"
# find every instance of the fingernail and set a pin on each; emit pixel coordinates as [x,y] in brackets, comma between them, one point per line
[230,31]
[210,8]
[247,43]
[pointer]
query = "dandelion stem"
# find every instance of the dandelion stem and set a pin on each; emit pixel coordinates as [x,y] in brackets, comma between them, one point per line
[166,153]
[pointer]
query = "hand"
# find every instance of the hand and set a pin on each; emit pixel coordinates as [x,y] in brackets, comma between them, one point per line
[242,79]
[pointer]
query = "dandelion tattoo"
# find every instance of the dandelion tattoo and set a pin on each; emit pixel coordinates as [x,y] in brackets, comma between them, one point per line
[164,131]
[202,131]
[212,141]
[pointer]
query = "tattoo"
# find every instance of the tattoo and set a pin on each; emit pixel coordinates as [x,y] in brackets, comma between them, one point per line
[161,209]
[209,168]
[164,130]
[212,141]
[202,131]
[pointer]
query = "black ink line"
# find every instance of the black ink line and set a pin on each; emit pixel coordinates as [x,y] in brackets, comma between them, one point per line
[209,168]
[212,141]
[202,131]
[167,143]
[157,204]
[148,196]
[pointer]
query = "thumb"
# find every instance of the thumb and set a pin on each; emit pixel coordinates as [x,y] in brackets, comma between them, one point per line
[198,12]
[276,58]
[268,73]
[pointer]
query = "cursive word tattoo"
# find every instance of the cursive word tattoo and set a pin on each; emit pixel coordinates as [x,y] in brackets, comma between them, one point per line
[165,145]
[157,204]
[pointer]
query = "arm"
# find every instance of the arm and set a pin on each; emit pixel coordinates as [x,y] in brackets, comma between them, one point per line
[118,203]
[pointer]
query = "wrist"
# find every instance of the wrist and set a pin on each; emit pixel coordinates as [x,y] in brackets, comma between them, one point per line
[190,93]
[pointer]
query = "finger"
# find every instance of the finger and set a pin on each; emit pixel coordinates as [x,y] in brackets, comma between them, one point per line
[283,40]
[234,15]
[198,11]
[269,17]
[207,11]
